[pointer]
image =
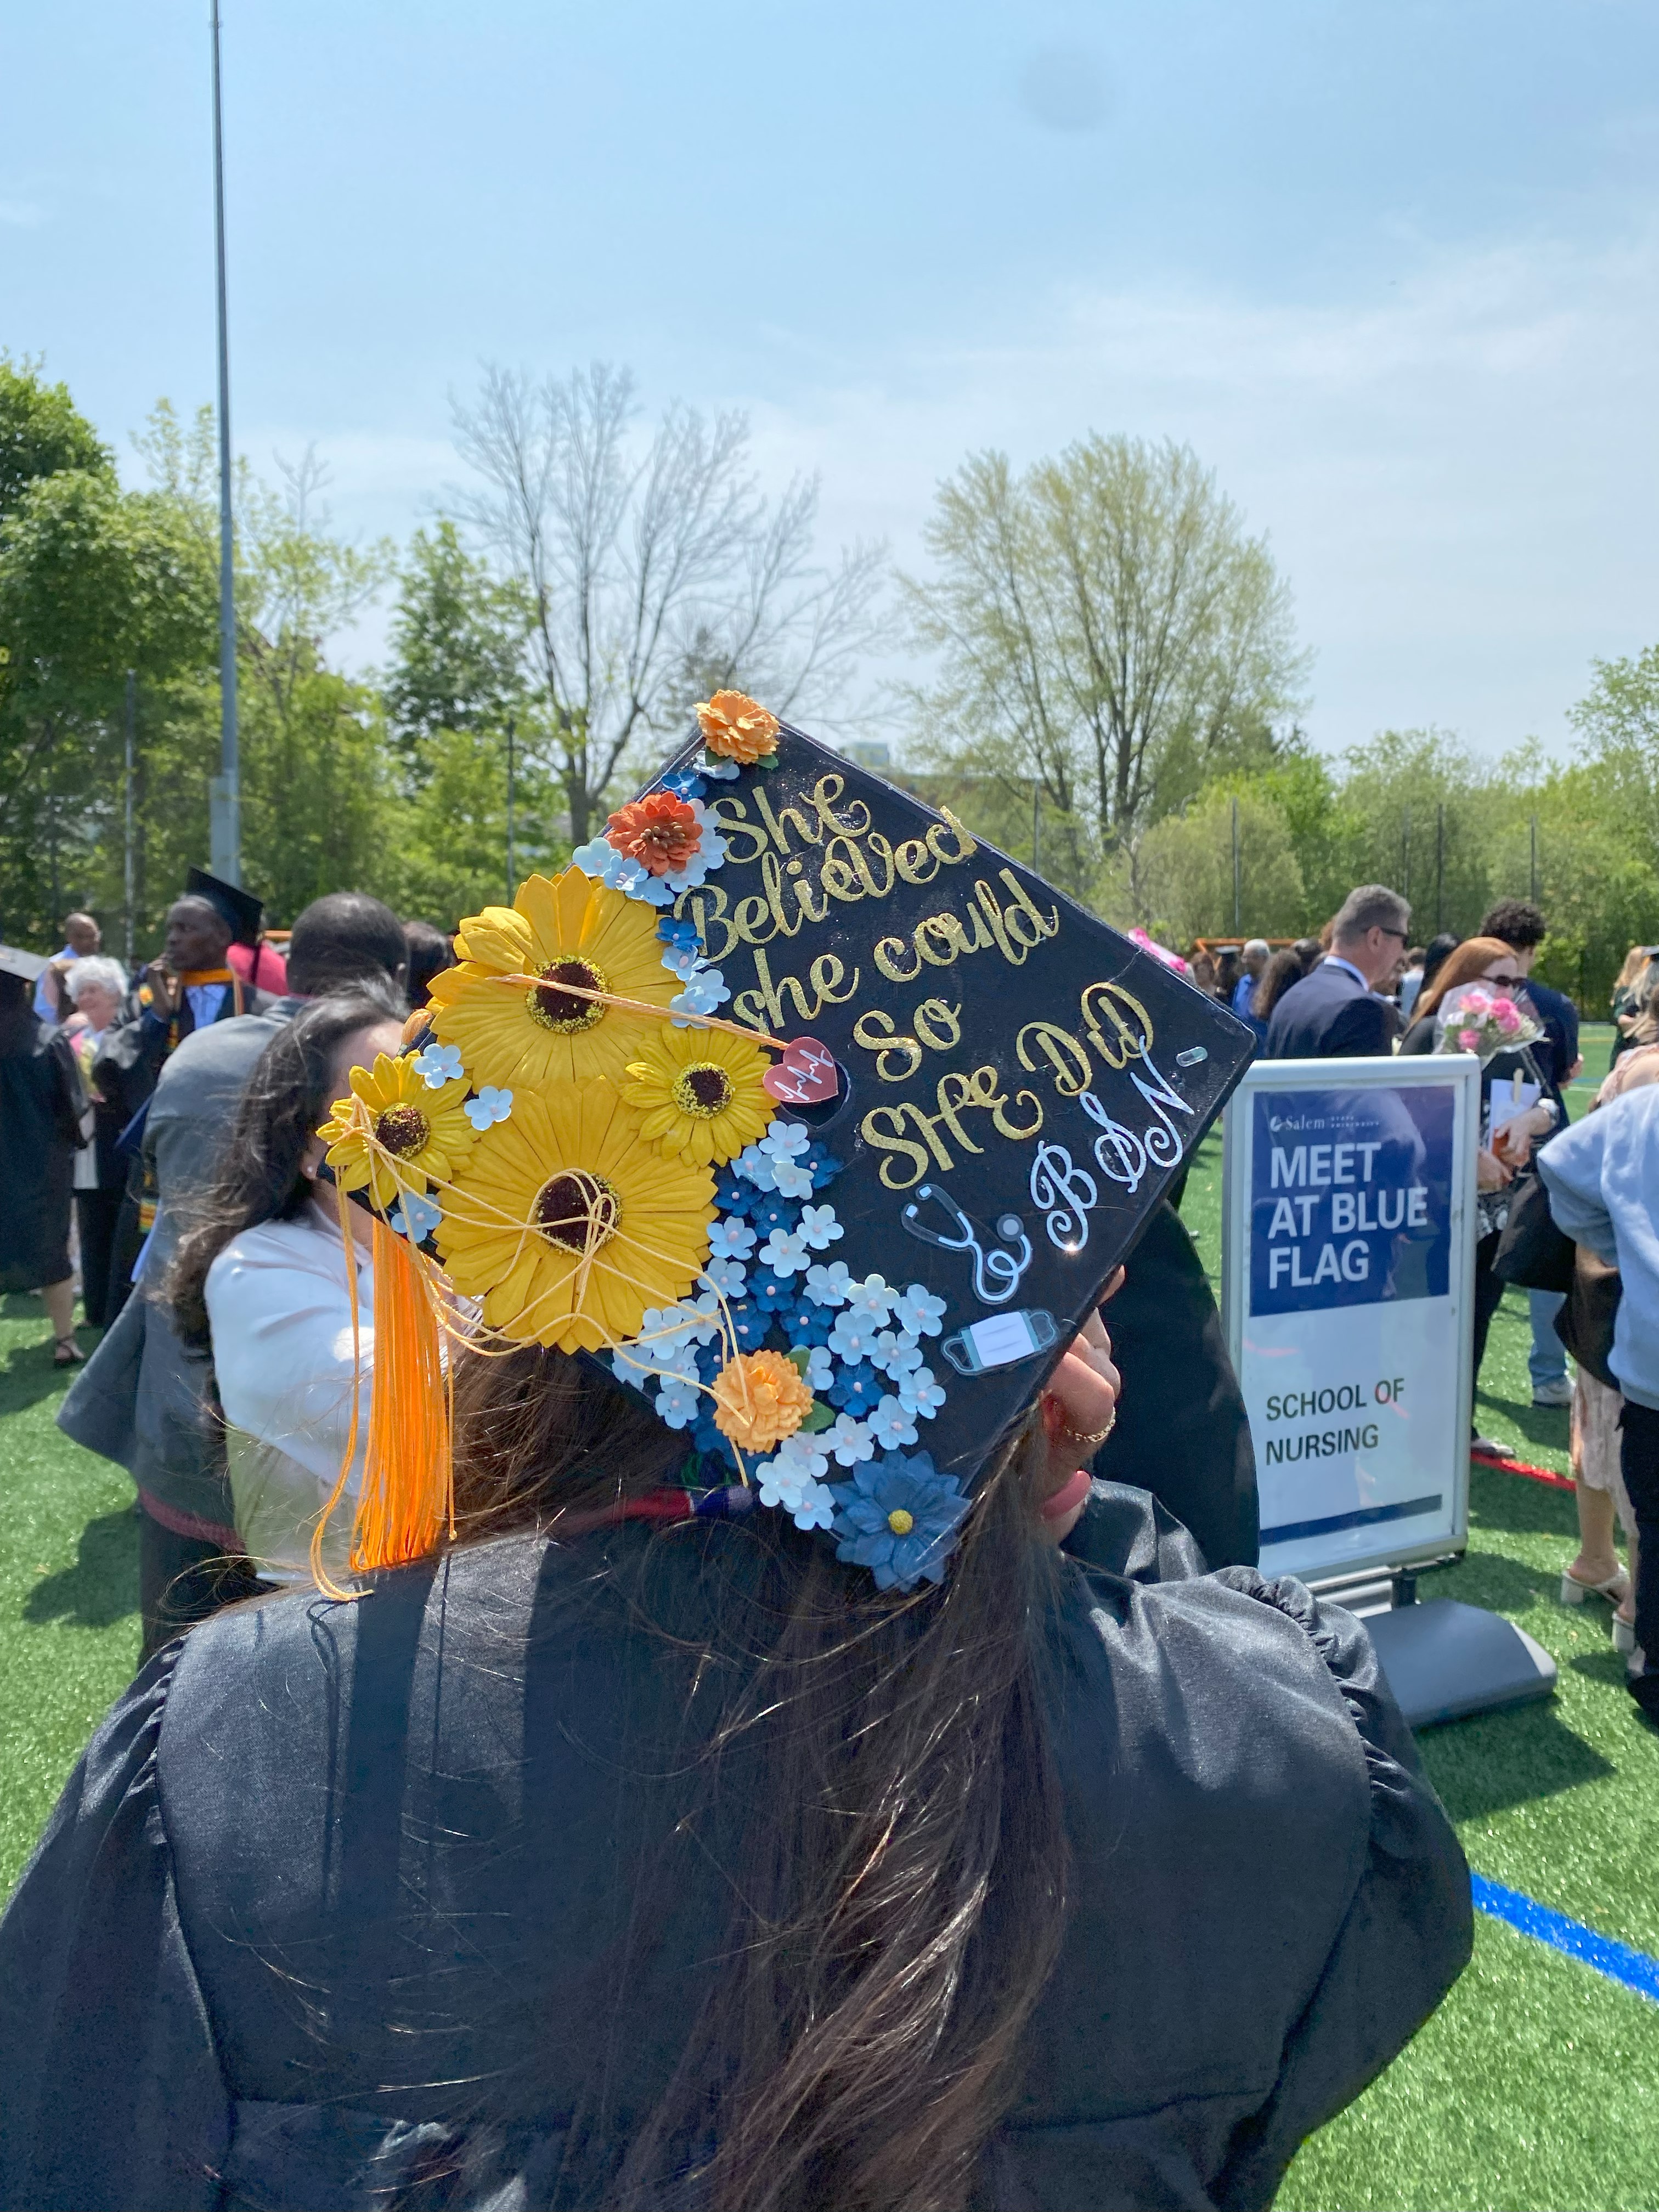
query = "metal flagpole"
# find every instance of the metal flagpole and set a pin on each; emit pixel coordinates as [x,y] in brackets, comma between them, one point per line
[127,863]
[225,836]
[512,858]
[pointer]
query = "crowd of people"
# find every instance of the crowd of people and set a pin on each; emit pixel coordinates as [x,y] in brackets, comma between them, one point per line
[553,1868]
[552,1871]
[1361,989]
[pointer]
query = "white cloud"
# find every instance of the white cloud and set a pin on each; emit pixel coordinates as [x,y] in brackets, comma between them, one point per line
[1459,472]
[1459,477]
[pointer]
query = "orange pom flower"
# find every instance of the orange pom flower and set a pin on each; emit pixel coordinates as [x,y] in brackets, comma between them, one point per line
[759,1400]
[660,832]
[737,729]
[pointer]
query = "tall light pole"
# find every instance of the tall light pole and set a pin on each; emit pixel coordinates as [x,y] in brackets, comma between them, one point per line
[225,803]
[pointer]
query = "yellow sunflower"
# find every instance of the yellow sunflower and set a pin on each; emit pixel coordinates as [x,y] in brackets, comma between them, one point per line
[425,1130]
[699,1093]
[566,929]
[568,1224]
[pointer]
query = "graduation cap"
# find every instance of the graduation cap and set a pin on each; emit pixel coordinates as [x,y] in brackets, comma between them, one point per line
[30,966]
[242,912]
[822,1122]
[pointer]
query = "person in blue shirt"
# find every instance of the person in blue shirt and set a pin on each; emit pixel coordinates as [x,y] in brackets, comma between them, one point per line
[1252,967]
[1601,1176]
[1522,926]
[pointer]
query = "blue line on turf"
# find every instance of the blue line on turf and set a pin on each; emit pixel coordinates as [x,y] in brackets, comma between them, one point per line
[1635,1970]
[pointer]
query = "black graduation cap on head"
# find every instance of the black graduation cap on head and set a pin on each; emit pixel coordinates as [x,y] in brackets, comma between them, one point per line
[28,966]
[1015,1084]
[242,911]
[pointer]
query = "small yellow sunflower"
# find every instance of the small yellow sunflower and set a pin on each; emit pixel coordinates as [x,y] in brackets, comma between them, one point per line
[699,1093]
[566,929]
[759,1400]
[425,1130]
[568,1224]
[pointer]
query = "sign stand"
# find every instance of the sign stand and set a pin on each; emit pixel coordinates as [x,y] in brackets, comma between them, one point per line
[1347,1277]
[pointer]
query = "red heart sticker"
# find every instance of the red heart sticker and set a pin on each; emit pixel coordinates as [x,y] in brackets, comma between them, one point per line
[805,1075]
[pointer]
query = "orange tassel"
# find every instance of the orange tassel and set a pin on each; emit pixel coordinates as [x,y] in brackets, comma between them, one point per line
[409,1476]
[409,1484]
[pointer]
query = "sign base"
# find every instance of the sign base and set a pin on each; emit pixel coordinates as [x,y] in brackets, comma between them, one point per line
[1445,1660]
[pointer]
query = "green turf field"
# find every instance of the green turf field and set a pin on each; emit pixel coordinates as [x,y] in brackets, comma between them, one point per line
[1537,2083]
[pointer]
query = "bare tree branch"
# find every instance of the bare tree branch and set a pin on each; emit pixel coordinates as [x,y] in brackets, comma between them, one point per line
[655,566]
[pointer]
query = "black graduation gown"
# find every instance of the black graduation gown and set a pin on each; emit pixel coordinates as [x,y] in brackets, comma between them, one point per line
[330,1875]
[1181,1428]
[41,1103]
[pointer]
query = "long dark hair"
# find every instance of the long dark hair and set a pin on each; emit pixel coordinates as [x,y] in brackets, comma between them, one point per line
[1284,969]
[900,1898]
[257,1177]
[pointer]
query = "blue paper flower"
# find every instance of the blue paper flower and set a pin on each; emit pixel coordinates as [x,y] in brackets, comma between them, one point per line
[858,1391]
[438,1064]
[807,1324]
[714,1446]
[772,1292]
[684,783]
[733,1194]
[679,930]
[750,1326]
[899,1517]
[491,1105]
[415,1217]
[823,1167]
[769,1211]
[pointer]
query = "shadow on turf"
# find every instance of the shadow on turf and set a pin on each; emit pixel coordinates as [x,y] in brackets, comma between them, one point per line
[103,1586]
[27,1376]
[1485,1764]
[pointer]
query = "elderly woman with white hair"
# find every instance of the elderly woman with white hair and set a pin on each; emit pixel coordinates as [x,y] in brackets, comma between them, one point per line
[96,988]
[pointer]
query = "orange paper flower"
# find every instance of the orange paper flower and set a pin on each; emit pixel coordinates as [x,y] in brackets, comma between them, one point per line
[759,1400]
[736,728]
[660,832]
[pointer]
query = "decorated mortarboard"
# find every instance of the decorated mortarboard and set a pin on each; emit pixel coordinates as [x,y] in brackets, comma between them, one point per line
[821,1121]
[240,911]
[30,966]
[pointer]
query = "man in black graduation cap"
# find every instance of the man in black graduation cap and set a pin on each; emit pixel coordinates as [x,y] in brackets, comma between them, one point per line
[187,988]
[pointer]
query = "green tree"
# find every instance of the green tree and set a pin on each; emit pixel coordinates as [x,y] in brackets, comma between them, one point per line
[93,581]
[1182,884]
[1425,812]
[450,856]
[458,643]
[1104,627]
[42,433]
[317,786]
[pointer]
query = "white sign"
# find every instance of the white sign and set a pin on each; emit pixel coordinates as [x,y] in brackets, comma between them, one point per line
[1349,1269]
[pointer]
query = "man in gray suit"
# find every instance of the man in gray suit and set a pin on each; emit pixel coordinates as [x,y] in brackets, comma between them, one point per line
[143,1400]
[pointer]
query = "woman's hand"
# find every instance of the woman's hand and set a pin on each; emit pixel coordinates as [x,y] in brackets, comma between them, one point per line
[1078,1410]
[1490,1172]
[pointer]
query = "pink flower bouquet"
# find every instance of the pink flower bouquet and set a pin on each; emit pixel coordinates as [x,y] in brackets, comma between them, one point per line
[1477,1018]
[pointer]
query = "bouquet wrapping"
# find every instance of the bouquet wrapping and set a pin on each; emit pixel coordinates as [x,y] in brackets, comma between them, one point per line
[1478,1019]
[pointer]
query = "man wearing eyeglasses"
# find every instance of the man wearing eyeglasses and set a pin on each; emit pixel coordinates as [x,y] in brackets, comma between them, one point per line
[1334,1013]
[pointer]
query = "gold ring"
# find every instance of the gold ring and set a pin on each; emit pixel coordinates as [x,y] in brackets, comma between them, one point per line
[1071,1436]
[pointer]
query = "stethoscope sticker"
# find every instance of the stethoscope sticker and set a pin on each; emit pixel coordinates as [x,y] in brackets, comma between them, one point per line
[991,1267]
[1000,1341]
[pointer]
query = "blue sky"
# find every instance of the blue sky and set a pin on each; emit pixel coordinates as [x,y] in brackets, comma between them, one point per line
[1388,268]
